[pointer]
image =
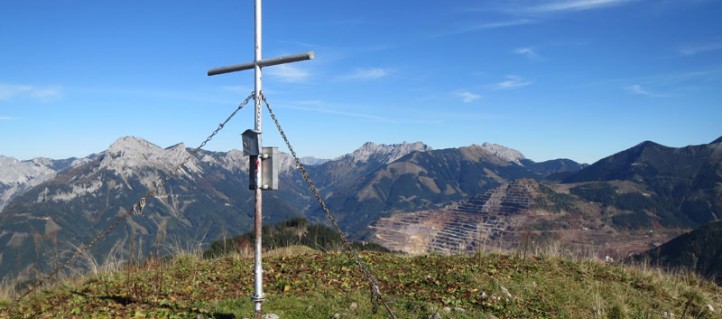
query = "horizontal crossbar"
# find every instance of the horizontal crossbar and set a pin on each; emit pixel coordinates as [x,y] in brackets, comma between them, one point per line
[262,63]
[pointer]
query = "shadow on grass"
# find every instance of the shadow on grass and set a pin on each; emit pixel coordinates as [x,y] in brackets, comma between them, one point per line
[126,301]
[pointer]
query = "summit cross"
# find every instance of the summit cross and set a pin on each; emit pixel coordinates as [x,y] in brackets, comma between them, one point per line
[258,63]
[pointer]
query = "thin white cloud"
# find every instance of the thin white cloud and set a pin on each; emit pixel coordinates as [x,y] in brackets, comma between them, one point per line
[11,91]
[324,110]
[491,26]
[695,49]
[708,75]
[637,89]
[525,12]
[529,53]
[502,24]
[287,73]
[365,74]
[511,82]
[466,96]
[671,82]
[7,118]
[573,5]
[310,102]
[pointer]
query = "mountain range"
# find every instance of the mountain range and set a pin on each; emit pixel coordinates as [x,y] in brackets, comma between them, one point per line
[48,208]
[681,184]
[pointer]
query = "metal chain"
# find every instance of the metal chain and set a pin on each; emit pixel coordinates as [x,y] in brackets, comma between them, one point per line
[136,208]
[221,125]
[376,295]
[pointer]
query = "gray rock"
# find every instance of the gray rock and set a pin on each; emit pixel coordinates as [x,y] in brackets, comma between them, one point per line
[506,291]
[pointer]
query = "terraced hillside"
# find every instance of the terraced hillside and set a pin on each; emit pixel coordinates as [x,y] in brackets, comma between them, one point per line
[521,215]
[461,228]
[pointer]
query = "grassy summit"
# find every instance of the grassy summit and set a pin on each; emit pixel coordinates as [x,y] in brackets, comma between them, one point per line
[303,283]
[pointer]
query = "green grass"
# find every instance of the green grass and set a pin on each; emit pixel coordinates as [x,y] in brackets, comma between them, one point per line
[324,285]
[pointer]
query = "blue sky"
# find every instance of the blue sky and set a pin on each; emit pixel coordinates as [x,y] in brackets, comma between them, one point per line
[578,79]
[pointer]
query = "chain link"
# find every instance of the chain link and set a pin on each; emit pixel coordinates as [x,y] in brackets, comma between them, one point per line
[376,295]
[136,208]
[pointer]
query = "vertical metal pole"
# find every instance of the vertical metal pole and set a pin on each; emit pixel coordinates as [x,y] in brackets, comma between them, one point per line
[258,296]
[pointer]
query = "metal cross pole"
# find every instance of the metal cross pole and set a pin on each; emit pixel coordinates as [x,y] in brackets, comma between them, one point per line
[258,296]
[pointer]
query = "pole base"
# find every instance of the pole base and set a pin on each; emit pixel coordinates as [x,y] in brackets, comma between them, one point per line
[258,300]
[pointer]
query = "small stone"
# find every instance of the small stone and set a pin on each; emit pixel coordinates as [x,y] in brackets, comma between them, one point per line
[447,309]
[353,306]
[337,315]
[459,309]
[483,296]
[271,316]
[710,308]
[435,316]
[505,291]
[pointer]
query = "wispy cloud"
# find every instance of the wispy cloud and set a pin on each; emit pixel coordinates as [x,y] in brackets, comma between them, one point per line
[288,73]
[525,12]
[637,89]
[511,82]
[707,75]
[529,53]
[320,109]
[365,74]
[490,26]
[699,48]
[466,96]
[7,118]
[668,83]
[11,91]
[573,5]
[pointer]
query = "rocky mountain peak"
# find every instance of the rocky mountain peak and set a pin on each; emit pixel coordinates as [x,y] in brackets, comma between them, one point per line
[312,161]
[131,146]
[129,153]
[503,152]
[16,172]
[16,176]
[385,153]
